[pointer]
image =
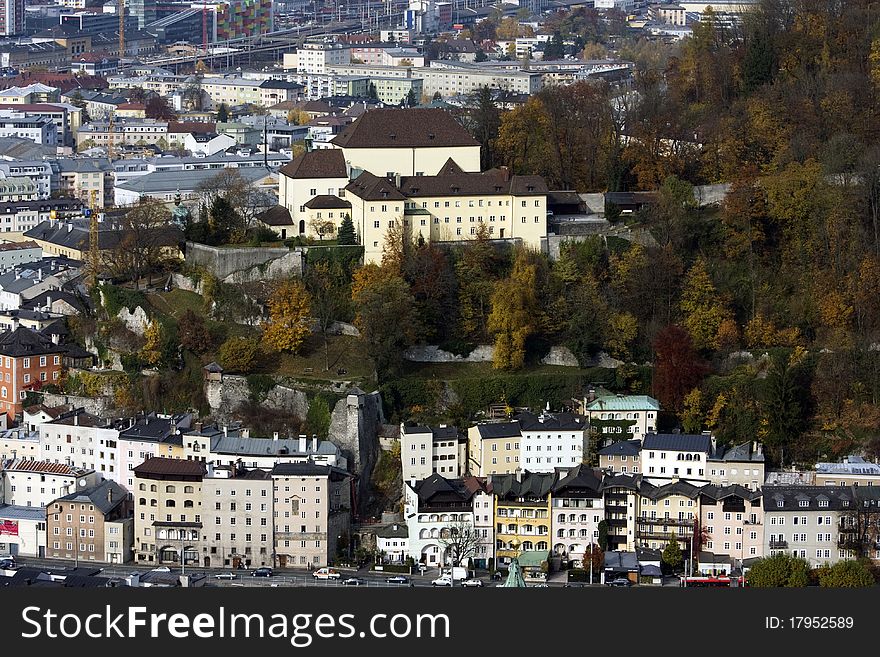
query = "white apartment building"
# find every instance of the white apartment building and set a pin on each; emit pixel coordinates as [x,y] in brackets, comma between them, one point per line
[552,440]
[432,508]
[37,483]
[606,410]
[316,57]
[484,525]
[667,457]
[39,129]
[425,450]
[805,521]
[578,507]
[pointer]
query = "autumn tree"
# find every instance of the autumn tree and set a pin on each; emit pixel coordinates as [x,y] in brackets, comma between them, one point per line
[238,354]
[143,236]
[779,570]
[514,315]
[477,261]
[384,315]
[323,282]
[159,109]
[151,353]
[847,574]
[288,325]
[192,332]
[704,312]
[677,367]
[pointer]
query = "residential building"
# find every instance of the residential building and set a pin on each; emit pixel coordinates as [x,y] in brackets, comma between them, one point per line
[614,416]
[851,471]
[67,120]
[676,456]
[22,530]
[621,494]
[89,180]
[425,450]
[523,504]
[20,442]
[621,457]
[433,508]
[17,189]
[392,542]
[47,55]
[484,519]
[13,254]
[11,17]
[33,279]
[29,361]
[668,14]
[805,520]
[237,517]
[168,526]
[148,436]
[38,483]
[40,129]
[167,185]
[493,448]
[668,511]
[552,440]
[315,56]
[79,524]
[32,93]
[578,509]
[312,513]
[233,90]
[319,172]
[739,464]
[132,132]
[732,521]
[396,91]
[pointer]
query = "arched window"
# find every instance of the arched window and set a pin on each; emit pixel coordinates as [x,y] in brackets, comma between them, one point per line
[153,502]
[170,503]
[583,517]
[153,488]
[142,502]
[542,545]
[143,487]
[528,546]
[170,489]
[188,489]
[187,504]
[424,533]
[561,517]
[560,533]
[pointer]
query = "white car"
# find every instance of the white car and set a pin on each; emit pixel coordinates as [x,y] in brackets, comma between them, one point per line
[472,582]
[162,569]
[443,580]
[226,576]
[326,573]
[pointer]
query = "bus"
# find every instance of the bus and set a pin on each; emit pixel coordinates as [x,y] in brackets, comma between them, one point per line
[720,581]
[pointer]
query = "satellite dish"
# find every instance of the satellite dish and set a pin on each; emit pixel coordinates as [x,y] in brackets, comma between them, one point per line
[83,482]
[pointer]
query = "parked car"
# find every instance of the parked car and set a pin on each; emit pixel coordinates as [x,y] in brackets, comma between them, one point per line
[162,569]
[7,564]
[620,581]
[472,582]
[262,572]
[353,581]
[397,579]
[443,580]
[326,573]
[225,576]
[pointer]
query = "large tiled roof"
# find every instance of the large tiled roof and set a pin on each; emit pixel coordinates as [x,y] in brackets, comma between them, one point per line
[45,467]
[327,202]
[622,448]
[551,422]
[472,184]
[529,485]
[404,128]
[277,215]
[26,342]
[106,496]
[321,163]
[499,430]
[624,403]
[579,477]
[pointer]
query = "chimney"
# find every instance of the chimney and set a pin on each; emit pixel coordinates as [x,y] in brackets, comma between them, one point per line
[412,482]
[40,274]
[245,433]
[302,444]
[199,427]
[225,430]
[48,303]
[76,419]
[314,443]
[109,494]
[56,339]
[519,475]
[275,436]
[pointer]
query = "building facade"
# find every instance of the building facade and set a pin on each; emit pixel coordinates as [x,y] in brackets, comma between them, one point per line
[426,450]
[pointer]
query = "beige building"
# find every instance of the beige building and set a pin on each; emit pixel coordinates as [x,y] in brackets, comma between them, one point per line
[315,57]
[666,511]
[493,448]
[316,173]
[732,521]
[851,471]
[426,450]
[312,513]
[168,514]
[238,518]
[91,524]
[621,495]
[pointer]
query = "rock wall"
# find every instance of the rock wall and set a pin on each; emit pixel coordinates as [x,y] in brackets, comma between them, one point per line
[226,396]
[434,354]
[224,262]
[135,321]
[560,356]
[184,282]
[354,426]
[101,406]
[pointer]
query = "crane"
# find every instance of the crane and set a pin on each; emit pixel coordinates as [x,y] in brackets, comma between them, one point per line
[121,29]
[93,237]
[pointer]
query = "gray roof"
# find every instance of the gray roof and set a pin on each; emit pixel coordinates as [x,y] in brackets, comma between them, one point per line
[238,446]
[675,488]
[306,470]
[851,465]
[437,433]
[395,530]
[722,492]
[106,496]
[740,453]
[15,512]
[186,180]
[499,429]
[622,448]
[678,442]
[808,498]
[621,561]
[530,485]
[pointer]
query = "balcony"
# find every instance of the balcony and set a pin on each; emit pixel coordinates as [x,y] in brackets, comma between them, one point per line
[617,522]
[663,536]
[848,542]
[675,522]
[616,497]
[778,545]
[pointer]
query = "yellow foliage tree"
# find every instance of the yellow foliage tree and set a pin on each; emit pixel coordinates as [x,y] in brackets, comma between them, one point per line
[713,419]
[703,311]
[288,325]
[152,350]
[623,330]
[515,313]
[760,332]
[692,415]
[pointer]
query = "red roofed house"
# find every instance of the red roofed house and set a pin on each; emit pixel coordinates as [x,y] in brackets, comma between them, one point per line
[28,360]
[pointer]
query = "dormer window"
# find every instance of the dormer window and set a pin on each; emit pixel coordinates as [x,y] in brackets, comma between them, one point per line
[804,503]
[530,188]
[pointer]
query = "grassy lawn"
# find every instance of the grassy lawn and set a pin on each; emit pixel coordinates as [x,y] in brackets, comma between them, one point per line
[176,302]
[345,352]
